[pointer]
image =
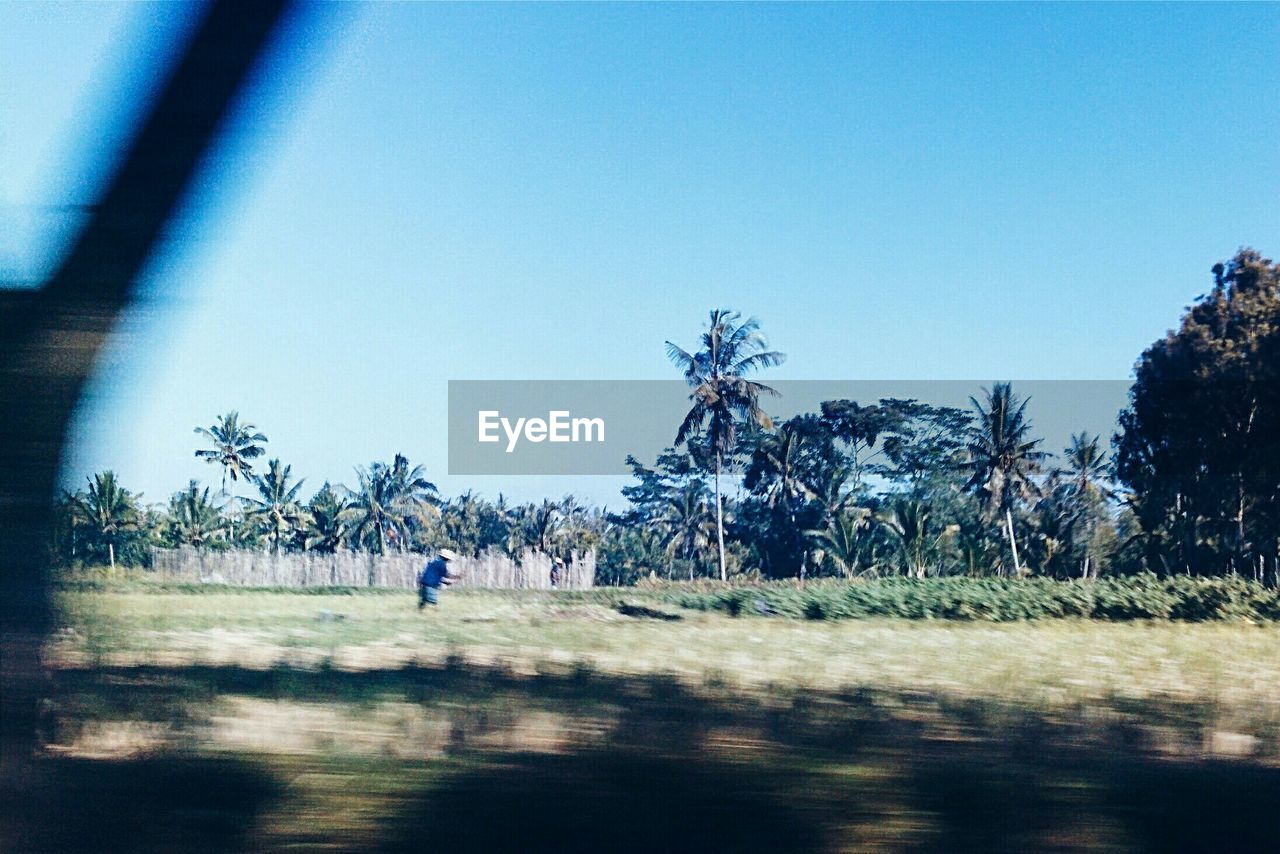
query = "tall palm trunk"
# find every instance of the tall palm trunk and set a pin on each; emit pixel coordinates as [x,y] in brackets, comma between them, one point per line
[111,555]
[724,575]
[231,514]
[1013,542]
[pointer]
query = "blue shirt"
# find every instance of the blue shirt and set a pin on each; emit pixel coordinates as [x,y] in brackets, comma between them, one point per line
[432,573]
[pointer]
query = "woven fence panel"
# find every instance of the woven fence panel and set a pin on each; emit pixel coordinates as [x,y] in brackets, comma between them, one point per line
[531,571]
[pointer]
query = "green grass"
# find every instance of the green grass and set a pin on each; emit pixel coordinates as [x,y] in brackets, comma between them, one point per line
[1041,663]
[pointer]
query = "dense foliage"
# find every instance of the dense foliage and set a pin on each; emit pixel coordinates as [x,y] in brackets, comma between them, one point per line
[1138,597]
[1200,443]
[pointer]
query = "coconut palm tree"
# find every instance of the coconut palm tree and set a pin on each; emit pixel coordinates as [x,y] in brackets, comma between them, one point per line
[976,551]
[232,445]
[843,540]
[328,526]
[534,526]
[580,528]
[109,510]
[1086,466]
[1002,457]
[911,522]
[1086,475]
[686,524]
[387,501]
[193,519]
[833,491]
[277,507]
[775,475]
[721,394]
[461,520]
[416,499]
[1053,524]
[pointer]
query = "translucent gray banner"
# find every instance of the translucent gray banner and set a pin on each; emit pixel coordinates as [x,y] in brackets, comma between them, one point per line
[588,427]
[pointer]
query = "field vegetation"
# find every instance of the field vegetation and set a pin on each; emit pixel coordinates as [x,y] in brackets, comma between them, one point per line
[617,718]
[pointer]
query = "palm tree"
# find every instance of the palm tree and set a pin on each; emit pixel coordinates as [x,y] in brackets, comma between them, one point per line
[415,498]
[109,510]
[387,501]
[327,521]
[277,506]
[534,527]
[193,518]
[686,524]
[461,519]
[976,552]
[579,528]
[1002,458]
[721,393]
[775,470]
[233,445]
[370,505]
[842,539]
[1053,527]
[1086,473]
[910,520]
[1086,466]
[832,491]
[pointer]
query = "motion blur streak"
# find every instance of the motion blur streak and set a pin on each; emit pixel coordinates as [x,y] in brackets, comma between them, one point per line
[50,337]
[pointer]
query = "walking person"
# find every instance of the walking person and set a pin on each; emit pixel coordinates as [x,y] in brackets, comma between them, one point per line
[434,576]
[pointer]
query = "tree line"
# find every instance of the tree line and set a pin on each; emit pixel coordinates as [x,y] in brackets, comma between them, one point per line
[1190,484]
[391,508]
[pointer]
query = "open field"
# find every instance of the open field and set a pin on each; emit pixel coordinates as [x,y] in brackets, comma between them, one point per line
[1041,664]
[545,721]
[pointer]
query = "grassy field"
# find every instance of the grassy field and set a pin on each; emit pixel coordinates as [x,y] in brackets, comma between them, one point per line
[355,719]
[1041,663]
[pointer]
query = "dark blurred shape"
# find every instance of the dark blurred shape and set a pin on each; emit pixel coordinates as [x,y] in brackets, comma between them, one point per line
[608,801]
[50,337]
[645,612]
[157,804]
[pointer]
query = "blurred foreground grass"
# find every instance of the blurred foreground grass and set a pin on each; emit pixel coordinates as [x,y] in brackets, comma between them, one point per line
[541,721]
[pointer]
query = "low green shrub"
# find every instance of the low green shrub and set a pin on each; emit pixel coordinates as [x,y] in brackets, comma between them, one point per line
[1142,597]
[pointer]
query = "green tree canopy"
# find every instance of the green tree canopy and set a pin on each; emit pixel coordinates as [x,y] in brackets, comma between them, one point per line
[1199,444]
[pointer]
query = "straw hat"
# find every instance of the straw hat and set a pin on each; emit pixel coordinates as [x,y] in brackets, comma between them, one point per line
[448,554]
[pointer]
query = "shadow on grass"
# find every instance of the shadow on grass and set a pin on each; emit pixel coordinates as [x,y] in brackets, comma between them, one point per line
[172,803]
[1087,800]
[663,766]
[607,801]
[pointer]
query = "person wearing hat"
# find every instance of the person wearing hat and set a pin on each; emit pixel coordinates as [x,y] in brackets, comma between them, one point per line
[433,576]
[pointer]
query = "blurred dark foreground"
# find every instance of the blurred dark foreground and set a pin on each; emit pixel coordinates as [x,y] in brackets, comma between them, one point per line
[483,759]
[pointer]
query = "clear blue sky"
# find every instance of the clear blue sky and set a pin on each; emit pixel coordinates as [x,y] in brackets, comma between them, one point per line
[440,192]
